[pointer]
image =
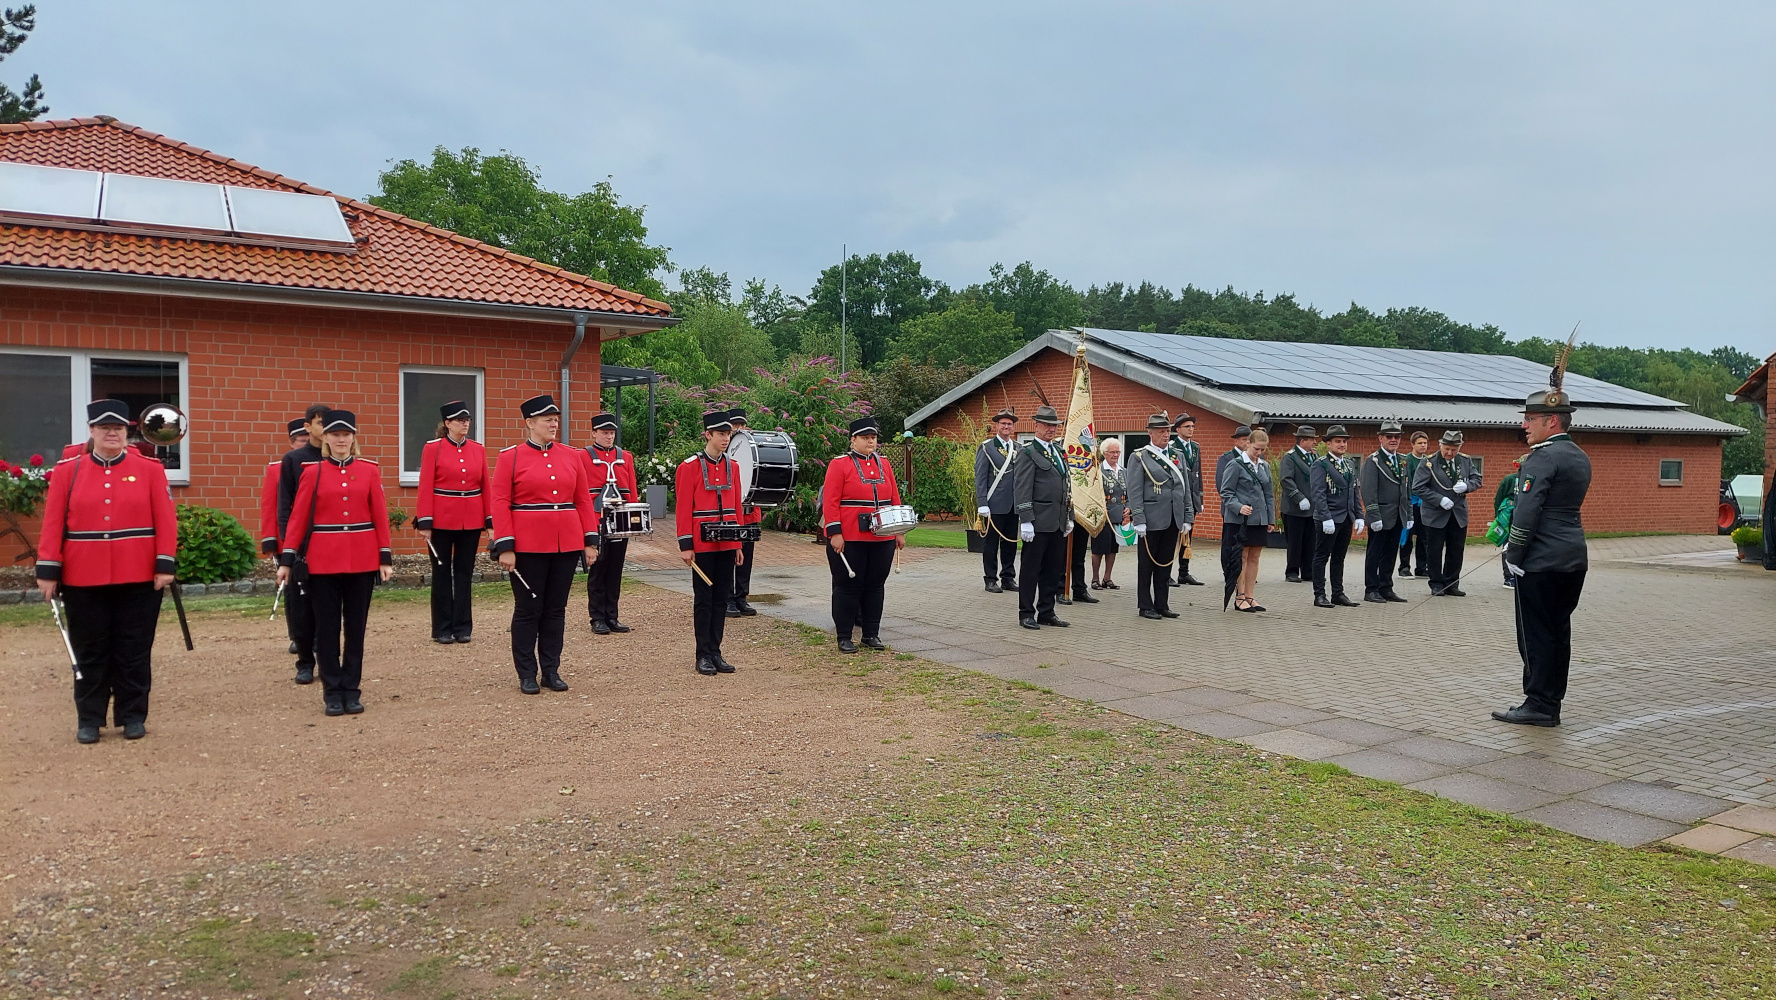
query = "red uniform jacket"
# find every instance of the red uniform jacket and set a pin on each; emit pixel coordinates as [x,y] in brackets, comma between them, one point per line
[707,493]
[615,465]
[350,526]
[856,485]
[540,503]
[453,486]
[119,525]
[268,510]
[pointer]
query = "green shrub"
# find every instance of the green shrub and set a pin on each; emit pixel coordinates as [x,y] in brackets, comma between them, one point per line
[1748,535]
[213,547]
[800,513]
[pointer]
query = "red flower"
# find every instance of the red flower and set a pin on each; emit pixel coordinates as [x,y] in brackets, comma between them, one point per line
[17,473]
[36,460]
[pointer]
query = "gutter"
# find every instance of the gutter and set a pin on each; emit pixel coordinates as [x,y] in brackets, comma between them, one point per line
[573,348]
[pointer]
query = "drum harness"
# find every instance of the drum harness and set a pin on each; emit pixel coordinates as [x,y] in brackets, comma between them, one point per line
[865,522]
[721,510]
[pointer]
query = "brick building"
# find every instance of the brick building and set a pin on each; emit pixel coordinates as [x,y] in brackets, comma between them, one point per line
[1656,465]
[1756,391]
[242,296]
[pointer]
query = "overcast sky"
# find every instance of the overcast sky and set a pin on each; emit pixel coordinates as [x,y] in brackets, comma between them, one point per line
[1525,164]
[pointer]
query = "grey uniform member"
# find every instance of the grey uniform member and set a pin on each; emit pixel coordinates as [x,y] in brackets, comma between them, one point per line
[1162,507]
[1442,485]
[1042,499]
[992,490]
[1187,456]
[1297,503]
[1245,483]
[1232,539]
[1337,508]
[1387,506]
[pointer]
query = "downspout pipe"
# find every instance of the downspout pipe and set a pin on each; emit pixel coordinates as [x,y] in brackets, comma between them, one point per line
[573,348]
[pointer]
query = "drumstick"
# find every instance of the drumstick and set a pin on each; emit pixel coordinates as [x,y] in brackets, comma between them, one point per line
[897,559]
[435,556]
[523,581]
[275,600]
[705,576]
[848,570]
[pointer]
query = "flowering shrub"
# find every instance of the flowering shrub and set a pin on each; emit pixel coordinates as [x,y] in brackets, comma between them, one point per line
[22,489]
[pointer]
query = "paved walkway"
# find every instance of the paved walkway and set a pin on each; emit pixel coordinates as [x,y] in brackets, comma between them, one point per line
[1670,720]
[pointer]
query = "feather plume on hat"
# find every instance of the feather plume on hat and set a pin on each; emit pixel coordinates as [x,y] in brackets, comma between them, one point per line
[1557,374]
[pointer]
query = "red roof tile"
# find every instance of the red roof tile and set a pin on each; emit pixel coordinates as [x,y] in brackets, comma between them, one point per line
[396,255]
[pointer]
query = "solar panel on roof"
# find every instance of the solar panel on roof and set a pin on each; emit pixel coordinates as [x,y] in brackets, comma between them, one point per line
[51,192]
[161,201]
[287,213]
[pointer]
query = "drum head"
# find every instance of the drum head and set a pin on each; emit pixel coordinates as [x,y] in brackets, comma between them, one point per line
[744,451]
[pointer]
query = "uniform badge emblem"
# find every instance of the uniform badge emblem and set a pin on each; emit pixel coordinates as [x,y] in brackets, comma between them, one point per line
[1527,480]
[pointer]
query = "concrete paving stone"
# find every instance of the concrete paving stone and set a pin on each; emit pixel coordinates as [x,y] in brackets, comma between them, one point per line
[1595,822]
[1363,734]
[1295,743]
[1156,706]
[1652,800]
[1214,697]
[1546,775]
[955,655]
[993,647]
[1384,766]
[915,645]
[1486,793]
[1150,683]
[1441,751]
[1278,713]
[1227,727]
[1760,851]
[1711,839]
[1756,819]
[1088,690]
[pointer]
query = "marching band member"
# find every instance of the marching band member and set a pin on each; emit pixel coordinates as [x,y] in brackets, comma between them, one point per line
[859,483]
[707,487]
[299,617]
[737,606]
[339,530]
[268,510]
[108,543]
[454,509]
[607,464]
[1043,499]
[542,521]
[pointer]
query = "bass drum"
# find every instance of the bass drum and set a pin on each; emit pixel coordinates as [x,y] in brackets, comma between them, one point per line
[768,464]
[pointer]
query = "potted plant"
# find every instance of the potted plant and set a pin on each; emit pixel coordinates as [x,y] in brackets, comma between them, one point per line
[1750,540]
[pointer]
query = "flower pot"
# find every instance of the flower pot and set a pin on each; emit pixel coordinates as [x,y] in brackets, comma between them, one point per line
[1751,553]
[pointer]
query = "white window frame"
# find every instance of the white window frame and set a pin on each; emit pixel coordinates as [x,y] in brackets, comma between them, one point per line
[476,429]
[80,393]
[1680,470]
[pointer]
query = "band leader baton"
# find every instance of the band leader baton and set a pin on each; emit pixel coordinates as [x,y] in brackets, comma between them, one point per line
[179,606]
[435,556]
[848,570]
[55,608]
[276,599]
[522,580]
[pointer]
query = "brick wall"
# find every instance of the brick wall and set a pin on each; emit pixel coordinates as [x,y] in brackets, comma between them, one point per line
[1625,492]
[253,367]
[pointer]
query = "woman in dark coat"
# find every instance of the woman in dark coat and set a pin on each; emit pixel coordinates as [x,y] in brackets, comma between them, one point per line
[1106,543]
[1248,506]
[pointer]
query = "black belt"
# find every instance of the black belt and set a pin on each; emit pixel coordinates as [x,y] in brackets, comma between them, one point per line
[863,503]
[457,493]
[533,507]
[360,526]
[105,536]
[712,513]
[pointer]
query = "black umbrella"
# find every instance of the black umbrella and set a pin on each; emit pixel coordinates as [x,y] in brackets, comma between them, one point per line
[1232,561]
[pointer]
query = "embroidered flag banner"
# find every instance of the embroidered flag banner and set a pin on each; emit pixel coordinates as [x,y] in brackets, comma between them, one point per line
[1081,451]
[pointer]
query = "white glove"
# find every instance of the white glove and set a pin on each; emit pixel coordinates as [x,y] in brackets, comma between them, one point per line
[1408,525]
[1512,568]
[1066,529]
[1188,528]
[1375,525]
[984,511]
[1445,503]
[1141,530]
[1358,529]
[1027,531]
[1328,527]
[1304,504]
[1461,486]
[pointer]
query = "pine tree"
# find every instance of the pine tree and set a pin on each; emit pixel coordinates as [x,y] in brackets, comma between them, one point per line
[25,106]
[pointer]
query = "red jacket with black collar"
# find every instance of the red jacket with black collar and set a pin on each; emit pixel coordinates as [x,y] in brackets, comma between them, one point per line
[268,510]
[708,492]
[107,522]
[341,510]
[453,492]
[856,485]
[540,503]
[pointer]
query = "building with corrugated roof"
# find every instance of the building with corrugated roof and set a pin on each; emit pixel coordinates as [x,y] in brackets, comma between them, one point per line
[1656,463]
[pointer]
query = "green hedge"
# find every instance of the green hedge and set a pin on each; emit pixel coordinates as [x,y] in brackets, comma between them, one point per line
[213,547]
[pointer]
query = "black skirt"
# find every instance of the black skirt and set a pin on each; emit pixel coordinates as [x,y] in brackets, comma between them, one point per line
[1255,534]
[1106,542]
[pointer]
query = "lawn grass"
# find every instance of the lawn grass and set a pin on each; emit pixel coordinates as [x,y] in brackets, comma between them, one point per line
[937,538]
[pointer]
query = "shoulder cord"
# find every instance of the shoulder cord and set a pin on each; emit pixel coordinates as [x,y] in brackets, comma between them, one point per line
[721,509]
[875,495]
[999,472]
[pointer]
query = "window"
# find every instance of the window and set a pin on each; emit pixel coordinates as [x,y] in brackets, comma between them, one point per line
[43,397]
[423,391]
[1479,464]
[1671,472]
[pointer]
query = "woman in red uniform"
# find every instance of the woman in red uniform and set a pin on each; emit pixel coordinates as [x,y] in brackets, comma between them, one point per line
[339,528]
[542,521]
[109,538]
[453,511]
[858,483]
[707,491]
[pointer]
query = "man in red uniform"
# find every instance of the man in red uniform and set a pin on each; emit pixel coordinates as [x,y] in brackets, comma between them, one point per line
[707,492]
[858,484]
[606,464]
[269,535]
[109,539]
[737,606]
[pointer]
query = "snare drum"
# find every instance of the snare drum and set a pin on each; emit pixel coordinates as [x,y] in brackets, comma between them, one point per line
[627,520]
[768,463]
[896,520]
[728,531]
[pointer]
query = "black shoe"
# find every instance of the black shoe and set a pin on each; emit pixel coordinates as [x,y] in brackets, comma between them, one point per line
[994,588]
[1009,586]
[1063,599]
[443,640]
[734,610]
[1191,581]
[1422,572]
[135,730]
[1167,613]
[1173,583]
[617,626]
[746,610]
[1292,578]
[1523,715]
[722,666]
[847,646]
[1052,621]
[1150,613]
[706,666]
[1374,598]
[874,642]
[1029,623]
[1393,598]
[1511,582]
[1343,601]
[292,649]
[1453,591]
[87,734]
[1322,601]
[554,682]
[464,639]
[528,685]
[600,628]
[354,707]
[1085,599]
[305,675]
[335,708]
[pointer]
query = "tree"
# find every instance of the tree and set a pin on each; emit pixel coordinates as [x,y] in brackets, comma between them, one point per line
[500,200]
[898,387]
[1036,300]
[674,352]
[881,293]
[777,314]
[971,331]
[26,105]
[735,347]
[701,286]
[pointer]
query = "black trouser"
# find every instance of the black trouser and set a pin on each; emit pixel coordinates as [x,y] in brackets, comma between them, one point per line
[1445,546]
[1298,533]
[340,600]
[999,548]
[300,622]
[857,600]
[1414,541]
[604,580]
[1378,560]
[1042,563]
[451,572]
[1152,589]
[709,601]
[743,574]
[1183,567]
[1081,543]
[539,610]
[1545,605]
[1331,550]
[112,629]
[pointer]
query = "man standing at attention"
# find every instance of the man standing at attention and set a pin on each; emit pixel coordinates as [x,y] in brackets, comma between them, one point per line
[1044,506]
[1387,503]
[1297,504]
[992,496]
[1339,510]
[1441,488]
[1186,454]
[1413,538]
